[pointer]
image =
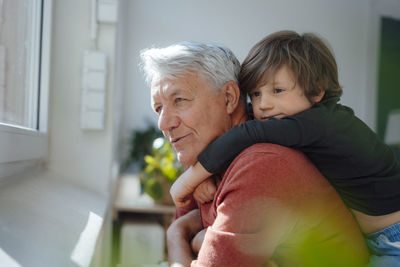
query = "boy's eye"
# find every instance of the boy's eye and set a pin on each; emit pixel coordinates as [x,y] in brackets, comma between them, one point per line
[255,94]
[278,90]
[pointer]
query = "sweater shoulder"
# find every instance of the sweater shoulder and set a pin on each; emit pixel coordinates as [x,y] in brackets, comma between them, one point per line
[271,161]
[268,151]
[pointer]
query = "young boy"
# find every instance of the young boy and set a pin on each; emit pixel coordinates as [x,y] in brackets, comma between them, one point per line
[293,84]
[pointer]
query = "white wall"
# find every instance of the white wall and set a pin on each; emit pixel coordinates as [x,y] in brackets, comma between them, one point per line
[239,25]
[81,156]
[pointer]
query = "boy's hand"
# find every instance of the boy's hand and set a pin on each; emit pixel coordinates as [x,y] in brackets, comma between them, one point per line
[186,183]
[205,191]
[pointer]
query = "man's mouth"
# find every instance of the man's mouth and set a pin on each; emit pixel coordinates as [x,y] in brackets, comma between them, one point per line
[175,140]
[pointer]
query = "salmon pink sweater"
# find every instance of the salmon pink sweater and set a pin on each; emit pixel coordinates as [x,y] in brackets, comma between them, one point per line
[273,205]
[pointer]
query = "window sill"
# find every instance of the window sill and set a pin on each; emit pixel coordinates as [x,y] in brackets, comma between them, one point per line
[46,221]
[21,144]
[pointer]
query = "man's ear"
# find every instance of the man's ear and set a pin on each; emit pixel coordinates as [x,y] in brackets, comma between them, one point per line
[318,98]
[232,95]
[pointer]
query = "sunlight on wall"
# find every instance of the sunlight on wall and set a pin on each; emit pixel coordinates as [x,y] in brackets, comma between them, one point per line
[6,260]
[84,249]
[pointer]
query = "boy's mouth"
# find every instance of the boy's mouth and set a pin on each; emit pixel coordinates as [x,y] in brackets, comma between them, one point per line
[265,118]
[277,117]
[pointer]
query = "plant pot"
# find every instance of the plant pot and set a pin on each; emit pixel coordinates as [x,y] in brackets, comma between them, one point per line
[157,187]
[166,198]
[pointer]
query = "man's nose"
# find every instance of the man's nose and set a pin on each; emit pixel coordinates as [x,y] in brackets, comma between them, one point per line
[167,120]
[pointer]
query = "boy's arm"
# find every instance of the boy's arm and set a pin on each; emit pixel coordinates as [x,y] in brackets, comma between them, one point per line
[290,131]
[186,184]
[205,191]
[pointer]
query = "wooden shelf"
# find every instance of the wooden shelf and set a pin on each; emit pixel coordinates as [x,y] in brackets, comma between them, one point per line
[129,199]
[130,206]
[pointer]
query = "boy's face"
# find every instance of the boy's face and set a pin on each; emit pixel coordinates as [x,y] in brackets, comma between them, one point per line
[281,96]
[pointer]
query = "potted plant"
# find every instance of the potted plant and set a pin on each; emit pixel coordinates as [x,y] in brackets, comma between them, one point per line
[141,145]
[160,170]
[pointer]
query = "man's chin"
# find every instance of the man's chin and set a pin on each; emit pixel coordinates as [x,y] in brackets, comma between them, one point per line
[186,160]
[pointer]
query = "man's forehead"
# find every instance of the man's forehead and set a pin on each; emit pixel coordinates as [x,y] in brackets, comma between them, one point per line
[163,90]
[163,86]
[154,87]
[170,87]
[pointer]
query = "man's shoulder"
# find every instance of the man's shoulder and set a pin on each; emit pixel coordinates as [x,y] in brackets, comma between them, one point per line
[270,161]
[271,171]
[268,150]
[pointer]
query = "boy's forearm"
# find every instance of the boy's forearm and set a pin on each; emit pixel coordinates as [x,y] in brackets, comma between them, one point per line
[190,179]
[199,174]
[187,183]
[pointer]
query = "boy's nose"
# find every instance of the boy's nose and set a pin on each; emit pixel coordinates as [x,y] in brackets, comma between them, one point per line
[266,102]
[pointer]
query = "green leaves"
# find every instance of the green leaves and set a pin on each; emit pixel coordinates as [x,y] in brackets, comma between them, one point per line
[154,189]
[151,164]
[161,164]
[141,145]
[168,169]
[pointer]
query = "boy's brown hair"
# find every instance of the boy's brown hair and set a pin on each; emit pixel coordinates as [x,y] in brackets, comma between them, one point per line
[307,56]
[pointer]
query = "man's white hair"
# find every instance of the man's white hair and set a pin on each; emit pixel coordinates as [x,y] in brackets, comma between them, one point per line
[214,63]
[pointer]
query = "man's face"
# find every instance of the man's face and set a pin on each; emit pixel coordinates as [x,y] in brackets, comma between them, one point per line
[191,114]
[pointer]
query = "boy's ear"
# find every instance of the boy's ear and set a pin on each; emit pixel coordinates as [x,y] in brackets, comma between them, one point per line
[232,95]
[318,98]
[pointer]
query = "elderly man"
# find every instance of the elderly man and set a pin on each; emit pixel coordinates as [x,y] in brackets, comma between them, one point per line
[272,205]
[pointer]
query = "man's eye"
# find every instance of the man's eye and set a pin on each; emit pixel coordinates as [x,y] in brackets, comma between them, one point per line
[158,109]
[278,90]
[179,99]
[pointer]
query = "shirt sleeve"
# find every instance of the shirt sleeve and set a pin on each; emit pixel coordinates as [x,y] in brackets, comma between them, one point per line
[247,230]
[231,250]
[296,131]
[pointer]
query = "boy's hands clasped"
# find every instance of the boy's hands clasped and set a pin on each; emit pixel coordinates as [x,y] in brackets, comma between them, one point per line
[194,179]
[205,191]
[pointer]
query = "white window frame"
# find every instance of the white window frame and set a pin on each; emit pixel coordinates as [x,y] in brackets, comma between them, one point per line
[20,147]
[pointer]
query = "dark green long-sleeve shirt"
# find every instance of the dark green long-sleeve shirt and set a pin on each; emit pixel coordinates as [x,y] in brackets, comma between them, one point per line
[348,153]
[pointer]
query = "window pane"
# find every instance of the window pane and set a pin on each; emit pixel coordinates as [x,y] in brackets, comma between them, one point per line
[20,23]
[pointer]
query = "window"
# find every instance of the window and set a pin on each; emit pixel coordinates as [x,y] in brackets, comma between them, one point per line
[20,27]
[24,71]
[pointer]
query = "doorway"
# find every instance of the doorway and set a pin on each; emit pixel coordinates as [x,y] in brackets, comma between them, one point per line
[388,96]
